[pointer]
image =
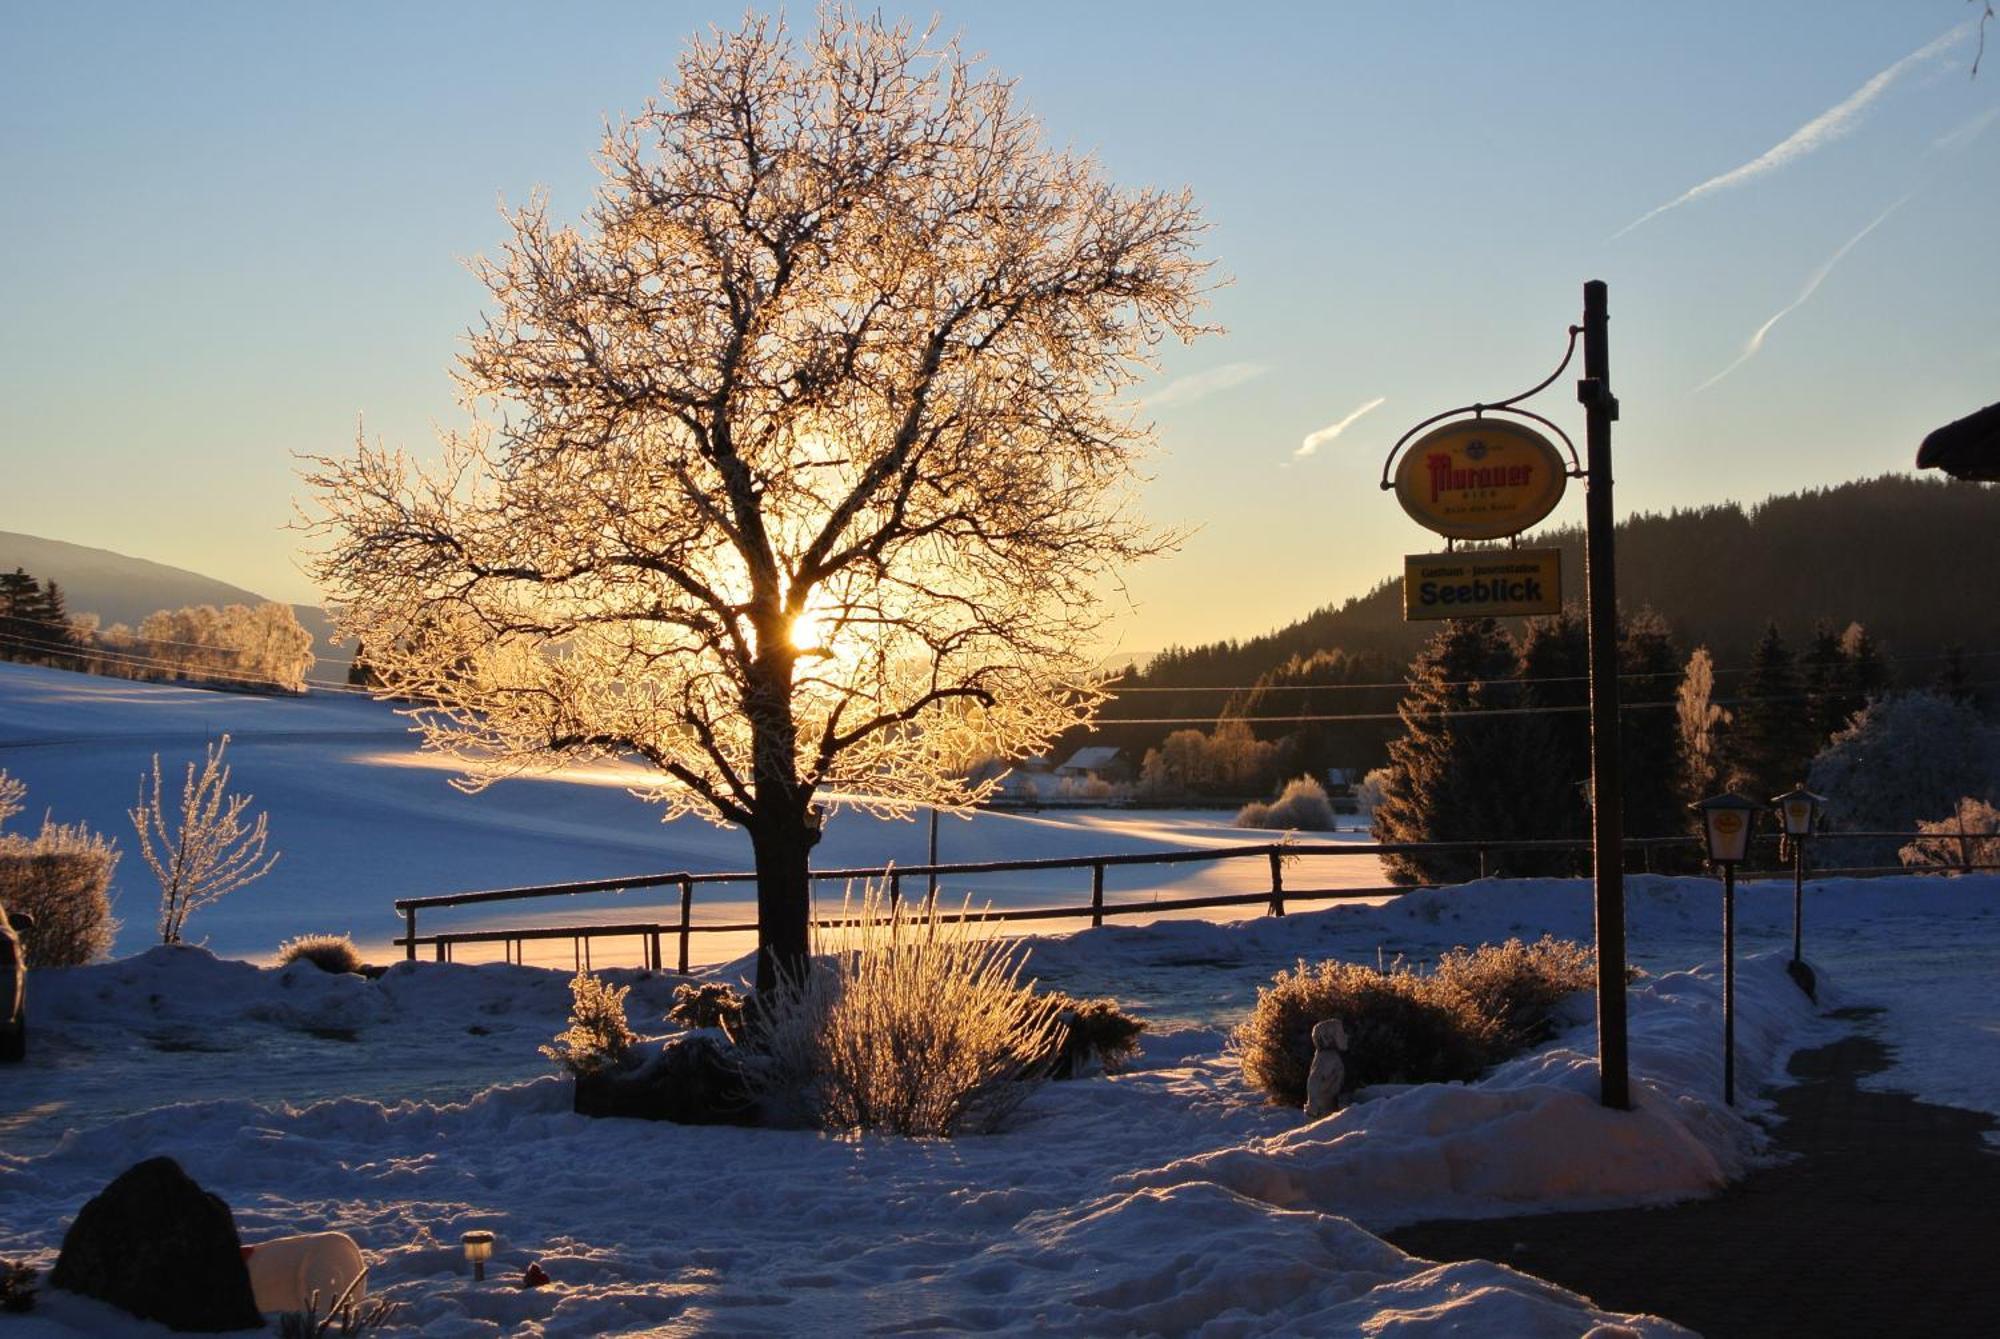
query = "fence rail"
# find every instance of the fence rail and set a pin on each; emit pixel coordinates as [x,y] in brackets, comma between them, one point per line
[1491,856]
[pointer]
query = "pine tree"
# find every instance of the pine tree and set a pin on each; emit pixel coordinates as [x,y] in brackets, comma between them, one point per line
[1829,699]
[1457,775]
[1774,741]
[20,598]
[1954,677]
[1868,671]
[1648,730]
[1554,670]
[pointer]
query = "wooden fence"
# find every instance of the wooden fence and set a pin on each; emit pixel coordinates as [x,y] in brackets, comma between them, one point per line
[1492,858]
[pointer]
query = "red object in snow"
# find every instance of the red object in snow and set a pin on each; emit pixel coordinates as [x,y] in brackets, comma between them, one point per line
[534,1276]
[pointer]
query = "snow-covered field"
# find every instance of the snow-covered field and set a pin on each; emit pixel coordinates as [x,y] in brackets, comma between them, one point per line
[1168,1199]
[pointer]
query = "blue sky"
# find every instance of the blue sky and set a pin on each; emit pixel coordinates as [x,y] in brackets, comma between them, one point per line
[230,229]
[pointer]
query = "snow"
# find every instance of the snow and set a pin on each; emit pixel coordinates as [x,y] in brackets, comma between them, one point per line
[409,1109]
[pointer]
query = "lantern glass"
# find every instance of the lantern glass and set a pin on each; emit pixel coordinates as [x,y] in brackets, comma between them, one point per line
[1798,816]
[478,1247]
[1728,835]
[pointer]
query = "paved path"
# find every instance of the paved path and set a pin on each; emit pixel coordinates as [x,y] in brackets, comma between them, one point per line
[1888,1223]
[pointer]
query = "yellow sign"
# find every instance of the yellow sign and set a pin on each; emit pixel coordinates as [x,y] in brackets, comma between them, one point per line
[1506,583]
[1480,478]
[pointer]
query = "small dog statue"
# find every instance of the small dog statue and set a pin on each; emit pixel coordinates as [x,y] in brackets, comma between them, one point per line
[1328,1069]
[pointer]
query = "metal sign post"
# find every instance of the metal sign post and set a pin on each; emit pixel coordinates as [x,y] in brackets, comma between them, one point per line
[1482,478]
[1607,781]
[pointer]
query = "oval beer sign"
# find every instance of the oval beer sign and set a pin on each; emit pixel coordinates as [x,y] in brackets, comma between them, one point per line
[1480,478]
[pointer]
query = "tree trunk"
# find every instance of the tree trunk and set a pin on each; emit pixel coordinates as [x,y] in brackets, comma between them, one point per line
[783,844]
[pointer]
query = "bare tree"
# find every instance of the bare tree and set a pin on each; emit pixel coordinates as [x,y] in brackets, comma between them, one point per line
[12,792]
[809,431]
[205,850]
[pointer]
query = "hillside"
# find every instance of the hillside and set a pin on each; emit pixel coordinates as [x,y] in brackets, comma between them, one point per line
[119,588]
[1905,557]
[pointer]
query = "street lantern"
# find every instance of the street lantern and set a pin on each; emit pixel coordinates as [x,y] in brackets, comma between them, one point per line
[1798,811]
[1798,808]
[1727,822]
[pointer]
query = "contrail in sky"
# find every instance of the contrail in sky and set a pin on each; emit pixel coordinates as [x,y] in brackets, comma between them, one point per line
[1834,123]
[1201,385]
[1315,440]
[1812,286]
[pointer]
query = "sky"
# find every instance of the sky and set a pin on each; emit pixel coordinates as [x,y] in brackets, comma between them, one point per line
[231,232]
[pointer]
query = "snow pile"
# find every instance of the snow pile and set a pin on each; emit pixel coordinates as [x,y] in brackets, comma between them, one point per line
[1532,1135]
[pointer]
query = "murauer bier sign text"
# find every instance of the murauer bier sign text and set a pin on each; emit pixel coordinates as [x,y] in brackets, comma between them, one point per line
[1503,583]
[1480,478]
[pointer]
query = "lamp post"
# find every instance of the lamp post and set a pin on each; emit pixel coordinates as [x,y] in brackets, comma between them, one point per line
[1798,809]
[1726,823]
[478,1250]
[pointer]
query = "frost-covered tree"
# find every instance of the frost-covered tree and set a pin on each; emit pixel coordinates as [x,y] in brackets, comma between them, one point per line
[1704,729]
[1905,759]
[202,850]
[808,431]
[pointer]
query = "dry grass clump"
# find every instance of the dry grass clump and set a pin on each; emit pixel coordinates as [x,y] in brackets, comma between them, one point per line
[1302,806]
[329,953]
[1476,1008]
[62,877]
[915,1025]
[597,1038]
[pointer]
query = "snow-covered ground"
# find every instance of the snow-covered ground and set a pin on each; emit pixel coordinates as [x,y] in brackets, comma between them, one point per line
[409,1109]
[362,818]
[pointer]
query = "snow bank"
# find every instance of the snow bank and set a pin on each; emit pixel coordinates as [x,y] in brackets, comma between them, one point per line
[1532,1136]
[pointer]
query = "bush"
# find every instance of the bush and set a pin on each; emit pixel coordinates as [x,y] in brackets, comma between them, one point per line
[915,1025]
[597,1039]
[1476,1008]
[710,1004]
[1087,1030]
[1943,845]
[17,1288]
[62,878]
[329,953]
[1302,806]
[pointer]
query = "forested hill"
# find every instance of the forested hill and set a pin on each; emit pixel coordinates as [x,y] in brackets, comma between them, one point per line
[1911,559]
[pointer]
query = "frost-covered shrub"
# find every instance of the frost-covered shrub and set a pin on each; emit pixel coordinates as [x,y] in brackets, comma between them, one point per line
[12,792]
[17,1287]
[597,1038]
[1945,843]
[62,878]
[1517,986]
[1476,1008]
[709,1004]
[329,953]
[1087,1032]
[914,1025]
[1303,806]
[1903,760]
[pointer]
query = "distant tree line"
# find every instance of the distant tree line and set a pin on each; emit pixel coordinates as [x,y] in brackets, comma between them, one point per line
[253,646]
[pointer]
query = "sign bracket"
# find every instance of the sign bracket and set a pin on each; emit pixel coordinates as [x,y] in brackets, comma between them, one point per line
[1510,405]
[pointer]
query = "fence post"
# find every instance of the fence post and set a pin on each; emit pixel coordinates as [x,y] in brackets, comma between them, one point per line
[1482,862]
[1097,895]
[653,940]
[1277,882]
[410,933]
[687,914]
[895,888]
[440,950]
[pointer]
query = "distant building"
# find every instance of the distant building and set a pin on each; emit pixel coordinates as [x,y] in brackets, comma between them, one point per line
[1096,763]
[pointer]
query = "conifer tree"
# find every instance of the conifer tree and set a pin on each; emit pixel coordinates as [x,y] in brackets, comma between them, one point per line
[1648,728]
[1954,677]
[1868,671]
[1457,774]
[1829,698]
[1554,671]
[1773,737]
